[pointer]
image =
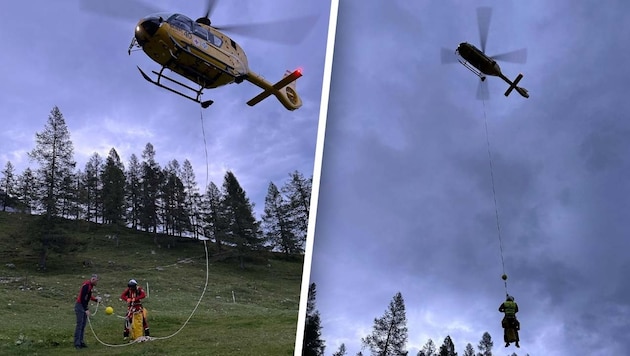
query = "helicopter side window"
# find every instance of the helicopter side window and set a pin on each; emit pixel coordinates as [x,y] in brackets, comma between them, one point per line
[181,22]
[215,40]
[201,32]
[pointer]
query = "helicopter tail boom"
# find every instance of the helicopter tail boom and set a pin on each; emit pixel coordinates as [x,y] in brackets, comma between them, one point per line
[283,90]
[513,85]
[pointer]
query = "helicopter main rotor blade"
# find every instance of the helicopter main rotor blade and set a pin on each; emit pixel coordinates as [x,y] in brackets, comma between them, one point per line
[518,56]
[482,90]
[210,5]
[290,31]
[484,14]
[448,56]
[120,9]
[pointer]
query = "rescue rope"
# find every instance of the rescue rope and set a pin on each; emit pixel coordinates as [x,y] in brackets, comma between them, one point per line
[147,338]
[494,195]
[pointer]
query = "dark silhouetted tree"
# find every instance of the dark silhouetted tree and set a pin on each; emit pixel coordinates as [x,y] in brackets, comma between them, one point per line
[485,345]
[469,350]
[298,192]
[278,226]
[150,190]
[54,152]
[389,335]
[313,344]
[447,348]
[113,179]
[429,349]
[92,187]
[214,220]
[243,229]
[341,351]
[193,198]
[27,186]
[133,191]
[7,185]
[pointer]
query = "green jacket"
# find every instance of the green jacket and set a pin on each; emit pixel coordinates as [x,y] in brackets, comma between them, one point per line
[509,308]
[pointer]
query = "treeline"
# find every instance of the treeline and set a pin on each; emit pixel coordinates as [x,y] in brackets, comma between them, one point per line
[147,197]
[389,335]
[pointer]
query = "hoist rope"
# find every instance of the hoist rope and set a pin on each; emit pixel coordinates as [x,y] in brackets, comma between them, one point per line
[494,195]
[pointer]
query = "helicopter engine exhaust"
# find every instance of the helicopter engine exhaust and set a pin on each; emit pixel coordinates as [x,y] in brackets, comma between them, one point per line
[520,90]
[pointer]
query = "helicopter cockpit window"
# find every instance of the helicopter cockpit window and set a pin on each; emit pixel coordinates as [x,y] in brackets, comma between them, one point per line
[181,21]
[215,40]
[201,32]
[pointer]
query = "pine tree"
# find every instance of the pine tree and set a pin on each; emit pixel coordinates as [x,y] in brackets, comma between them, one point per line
[341,351]
[313,343]
[193,198]
[150,190]
[390,331]
[243,229]
[113,179]
[173,200]
[429,349]
[469,351]
[215,225]
[277,223]
[485,345]
[54,153]
[27,189]
[447,348]
[298,191]
[133,190]
[7,185]
[92,186]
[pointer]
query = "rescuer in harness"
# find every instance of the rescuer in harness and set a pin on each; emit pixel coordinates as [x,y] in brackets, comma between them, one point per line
[510,324]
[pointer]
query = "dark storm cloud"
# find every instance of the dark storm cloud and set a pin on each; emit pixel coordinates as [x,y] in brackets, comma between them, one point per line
[406,199]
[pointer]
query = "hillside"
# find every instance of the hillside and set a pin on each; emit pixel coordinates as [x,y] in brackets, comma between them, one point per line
[250,311]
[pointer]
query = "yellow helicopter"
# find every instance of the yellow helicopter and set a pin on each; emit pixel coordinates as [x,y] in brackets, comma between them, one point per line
[201,53]
[481,64]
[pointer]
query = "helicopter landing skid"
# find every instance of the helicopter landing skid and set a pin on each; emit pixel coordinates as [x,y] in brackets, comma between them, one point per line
[204,104]
[472,69]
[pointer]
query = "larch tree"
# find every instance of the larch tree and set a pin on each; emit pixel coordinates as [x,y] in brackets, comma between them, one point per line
[55,154]
[214,222]
[244,229]
[469,350]
[448,347]
[428,349]
[389,335]
[278,226]
[485,345]
[26,189]
[150,190]
[298,192]
[313,345]
[341,351]
[193,198]
[133,191]
[92,187]
[113,179]
[7,184]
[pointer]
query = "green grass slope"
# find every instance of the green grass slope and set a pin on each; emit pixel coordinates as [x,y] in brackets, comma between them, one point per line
[251,311]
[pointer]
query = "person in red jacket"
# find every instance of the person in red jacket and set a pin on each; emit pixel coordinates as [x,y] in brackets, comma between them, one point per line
[82,311]
[133,296]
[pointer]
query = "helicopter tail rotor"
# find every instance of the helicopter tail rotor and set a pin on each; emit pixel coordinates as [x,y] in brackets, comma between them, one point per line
[513,85]
[284,90]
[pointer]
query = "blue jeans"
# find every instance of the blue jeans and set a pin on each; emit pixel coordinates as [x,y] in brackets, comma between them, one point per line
[81,321]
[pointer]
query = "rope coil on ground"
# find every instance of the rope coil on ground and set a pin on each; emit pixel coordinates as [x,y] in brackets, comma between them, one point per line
[494,195]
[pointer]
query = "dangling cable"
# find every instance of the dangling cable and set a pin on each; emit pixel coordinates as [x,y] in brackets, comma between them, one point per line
[494,195]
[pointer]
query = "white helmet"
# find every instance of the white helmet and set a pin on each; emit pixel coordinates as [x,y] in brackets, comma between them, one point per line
[132,283]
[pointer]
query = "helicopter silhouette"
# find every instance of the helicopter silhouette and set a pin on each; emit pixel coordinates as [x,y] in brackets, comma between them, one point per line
[201,52]
[478,62]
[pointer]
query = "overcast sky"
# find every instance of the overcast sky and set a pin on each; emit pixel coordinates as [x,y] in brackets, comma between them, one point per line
[54,53]
[406,198]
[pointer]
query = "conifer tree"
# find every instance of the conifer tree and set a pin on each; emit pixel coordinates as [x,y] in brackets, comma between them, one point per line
[215,225]
[150,190]
[447,348]
[92,186]
[113,179]
[341,351]
[26,192]
[193,198]
[485,345]
[298,192]
[133,190]
[469,350]
[7,185]
[278,226]
[54,152]
[313,343]
[389,335]
[429,349]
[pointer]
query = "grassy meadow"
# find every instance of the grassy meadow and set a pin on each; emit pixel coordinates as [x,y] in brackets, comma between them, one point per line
[251,311]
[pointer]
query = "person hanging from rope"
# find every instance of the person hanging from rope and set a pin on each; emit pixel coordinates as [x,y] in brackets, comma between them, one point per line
[510,324]
[133,295]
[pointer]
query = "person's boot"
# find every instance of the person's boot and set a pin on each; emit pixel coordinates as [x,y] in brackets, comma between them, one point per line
[507,344]
[146,332]
[517,345]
